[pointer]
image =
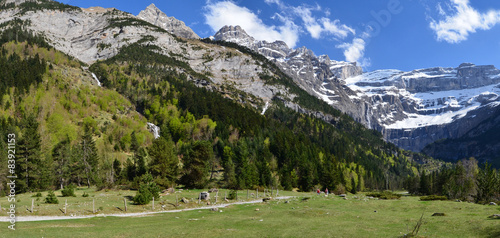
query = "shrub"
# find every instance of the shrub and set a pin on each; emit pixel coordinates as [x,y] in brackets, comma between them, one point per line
[433,198]
[51,198]
[85,195]
[147,190]
[385,195]
[233,194]
[339,189]
[69,191]
[37,195]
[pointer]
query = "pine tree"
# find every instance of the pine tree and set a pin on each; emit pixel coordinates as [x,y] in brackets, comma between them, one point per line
[134,144]
[229,168]
[28,160]
[140,161]
[424,184]
[486,183]
[164,162]
[89,156]
[117,166]
[196,164]
[61,154]
[353,185]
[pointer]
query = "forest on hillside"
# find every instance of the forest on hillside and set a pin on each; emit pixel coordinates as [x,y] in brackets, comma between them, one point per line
[70,132]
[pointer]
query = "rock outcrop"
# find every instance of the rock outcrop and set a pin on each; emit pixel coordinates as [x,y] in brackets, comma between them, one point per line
[156,17]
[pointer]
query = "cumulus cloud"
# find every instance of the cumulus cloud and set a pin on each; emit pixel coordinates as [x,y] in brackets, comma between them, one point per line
[219,14]
[317,27]
[355,51]
[464,20]
[294,21]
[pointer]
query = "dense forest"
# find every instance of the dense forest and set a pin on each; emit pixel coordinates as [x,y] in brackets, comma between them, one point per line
[465,181]
[70,132]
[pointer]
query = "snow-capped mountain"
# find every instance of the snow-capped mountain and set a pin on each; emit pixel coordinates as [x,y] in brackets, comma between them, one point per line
[411,109]
[416,108]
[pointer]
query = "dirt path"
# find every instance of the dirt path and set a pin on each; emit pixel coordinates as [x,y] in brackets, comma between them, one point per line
[53,218]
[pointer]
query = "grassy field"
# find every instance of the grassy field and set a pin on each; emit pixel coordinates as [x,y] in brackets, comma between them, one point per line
[314,217]
[112,202]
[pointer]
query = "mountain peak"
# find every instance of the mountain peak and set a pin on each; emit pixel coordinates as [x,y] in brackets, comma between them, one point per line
[155,16]
[234,34]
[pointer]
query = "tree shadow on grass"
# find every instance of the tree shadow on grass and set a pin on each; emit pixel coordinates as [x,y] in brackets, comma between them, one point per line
[130,198]
[493,231]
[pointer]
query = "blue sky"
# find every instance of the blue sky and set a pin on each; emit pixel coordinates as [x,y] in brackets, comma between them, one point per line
[382,34]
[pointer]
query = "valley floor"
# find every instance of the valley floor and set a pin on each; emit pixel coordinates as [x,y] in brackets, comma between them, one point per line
[317,216]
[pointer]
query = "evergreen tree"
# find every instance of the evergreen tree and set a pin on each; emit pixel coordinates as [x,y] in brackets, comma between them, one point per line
[147,190]
[61,154]
[424,184]
[89,156]
[229,167]
[117,166]
[28,161]
[353,185]
[196,164]
[164,162]
[134,144]
[486,184]
[130,170]
[140,161]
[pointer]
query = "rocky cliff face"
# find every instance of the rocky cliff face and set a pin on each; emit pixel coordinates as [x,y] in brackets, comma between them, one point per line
[411,109]
[158,18]
[414,109]
[318,75]
[97,34]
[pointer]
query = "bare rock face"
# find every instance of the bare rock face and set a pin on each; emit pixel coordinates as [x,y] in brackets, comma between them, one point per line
[318,75]
[156,17]
[411,109]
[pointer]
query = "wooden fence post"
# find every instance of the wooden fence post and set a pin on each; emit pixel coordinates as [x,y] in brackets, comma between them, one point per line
[176,201]
[65,206]
[32,203]
[257,193]
[153,203]
[225,195]
[247,194]
[272,189]
[216,196]
[125,203]
[93,205]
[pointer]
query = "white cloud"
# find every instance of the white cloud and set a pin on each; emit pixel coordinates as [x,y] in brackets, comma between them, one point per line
[336,29]
[465,20]
[354,51]
[317,27]
[223,13]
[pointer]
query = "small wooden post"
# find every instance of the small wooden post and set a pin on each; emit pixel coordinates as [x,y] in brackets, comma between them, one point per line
[176,201]
[153,203]
[93,205]
[199,198]
[65,205]
[125,203]
[272,188]
[32,204]
[247,194]
[257,193]
[216,196]
[277,191]
[225,195]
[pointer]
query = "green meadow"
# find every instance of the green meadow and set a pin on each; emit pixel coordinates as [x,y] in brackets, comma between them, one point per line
[304,215]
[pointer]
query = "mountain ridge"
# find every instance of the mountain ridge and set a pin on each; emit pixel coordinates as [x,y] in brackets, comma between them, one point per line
[390,101]
[155,16]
